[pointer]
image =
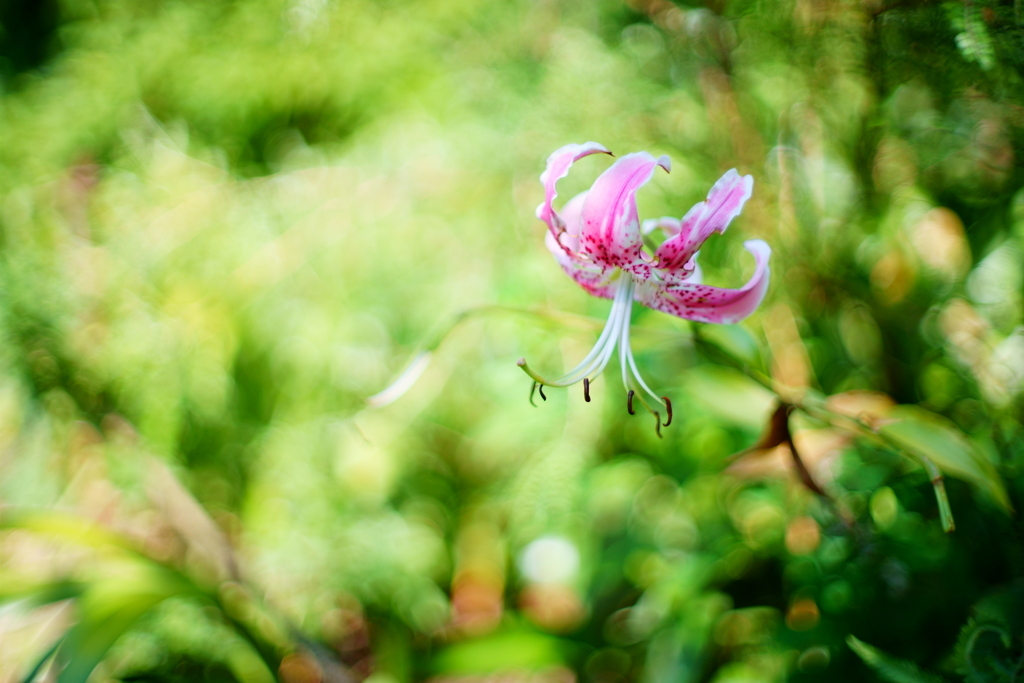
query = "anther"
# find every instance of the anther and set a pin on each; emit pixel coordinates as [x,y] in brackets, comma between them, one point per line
[668,407]
[586,389]
[657,423]
[629,402]
[533,390]
[540,388]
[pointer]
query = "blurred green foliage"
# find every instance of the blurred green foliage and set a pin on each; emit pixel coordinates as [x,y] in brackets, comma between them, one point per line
[224,225]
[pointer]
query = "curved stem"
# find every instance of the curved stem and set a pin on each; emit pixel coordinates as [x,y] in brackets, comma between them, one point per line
[969,647]
[817,410]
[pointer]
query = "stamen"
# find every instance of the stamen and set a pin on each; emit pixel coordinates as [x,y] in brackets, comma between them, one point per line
[629,369]
[636,371]
[615,333]
[533,390]
[599,356]
[652,411]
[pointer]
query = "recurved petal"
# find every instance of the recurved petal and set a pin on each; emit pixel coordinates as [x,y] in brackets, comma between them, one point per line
[558,165]
[710,304]
[610,228]
[590,276]
[725,201]
[570,214]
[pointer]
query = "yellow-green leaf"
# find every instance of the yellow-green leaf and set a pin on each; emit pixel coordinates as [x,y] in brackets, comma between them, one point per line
[923,433]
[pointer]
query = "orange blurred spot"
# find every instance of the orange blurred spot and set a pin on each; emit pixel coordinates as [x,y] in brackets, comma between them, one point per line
[791,365]
[551,606]
[300,668]
[865,405]
[892,277]
[940,242]
[816,447]
[476,604]
[803,615]
[803,536]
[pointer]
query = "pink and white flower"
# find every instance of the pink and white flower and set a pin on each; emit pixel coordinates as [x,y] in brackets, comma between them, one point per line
[598,240]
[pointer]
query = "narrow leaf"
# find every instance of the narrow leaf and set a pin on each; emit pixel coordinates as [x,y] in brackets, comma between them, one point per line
[890,668]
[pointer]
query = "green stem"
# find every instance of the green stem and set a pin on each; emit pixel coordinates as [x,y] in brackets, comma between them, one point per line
[935,475]
[866,431]
[48,656]
[969,647]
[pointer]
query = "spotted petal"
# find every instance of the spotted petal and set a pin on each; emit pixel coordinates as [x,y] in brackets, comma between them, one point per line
[724,202]
[593,277]
[710,304]
[610,227]
[558,165]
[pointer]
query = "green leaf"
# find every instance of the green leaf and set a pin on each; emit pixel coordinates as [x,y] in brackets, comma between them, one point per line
[108,609]
[88,641]
[41,662]
[931,436]
[733,342]
[501,652]
[18,587]
[984,651]
[730,395]
[890,668]
[973,39]
[64,526]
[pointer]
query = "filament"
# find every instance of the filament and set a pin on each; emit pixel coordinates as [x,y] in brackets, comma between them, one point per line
[596,361]
[615,333]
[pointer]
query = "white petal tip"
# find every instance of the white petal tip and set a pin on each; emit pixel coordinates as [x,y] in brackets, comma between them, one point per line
[758,247]
[665,163]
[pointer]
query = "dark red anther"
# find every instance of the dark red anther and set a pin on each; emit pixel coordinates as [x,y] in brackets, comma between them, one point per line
[629,402]
[668,407]
[540,388]
[586,389]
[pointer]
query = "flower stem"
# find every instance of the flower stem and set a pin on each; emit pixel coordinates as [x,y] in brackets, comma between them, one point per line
[817,409]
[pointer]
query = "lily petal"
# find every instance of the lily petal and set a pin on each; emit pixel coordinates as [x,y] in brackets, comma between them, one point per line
[570,215]
[710,304]
[724,202]
[558,165]
[610,227]
[593,277]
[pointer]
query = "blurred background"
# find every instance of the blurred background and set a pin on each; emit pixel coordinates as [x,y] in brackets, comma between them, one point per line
[225,224]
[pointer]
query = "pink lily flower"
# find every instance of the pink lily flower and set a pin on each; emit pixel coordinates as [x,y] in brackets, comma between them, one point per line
[598,240]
